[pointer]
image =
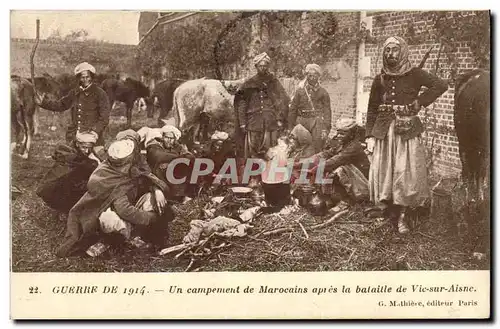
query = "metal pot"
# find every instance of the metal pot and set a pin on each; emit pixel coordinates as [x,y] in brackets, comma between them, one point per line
[241,192]
[277,195]
[304,193]
[317,206]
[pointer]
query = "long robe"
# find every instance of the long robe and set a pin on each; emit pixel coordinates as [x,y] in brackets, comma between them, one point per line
[66,182]
[107,184]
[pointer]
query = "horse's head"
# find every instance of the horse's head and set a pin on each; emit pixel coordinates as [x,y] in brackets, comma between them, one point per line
[66,83]
[48,85]
[232,86]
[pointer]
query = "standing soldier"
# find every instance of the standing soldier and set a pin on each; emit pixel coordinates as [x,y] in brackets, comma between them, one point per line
[398,173]
[311,108]
[262,105]
[89,105]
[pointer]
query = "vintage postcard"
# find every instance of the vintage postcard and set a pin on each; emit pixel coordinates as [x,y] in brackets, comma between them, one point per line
[250,164]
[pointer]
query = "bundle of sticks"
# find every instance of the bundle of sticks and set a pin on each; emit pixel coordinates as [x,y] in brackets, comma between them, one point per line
[200,251]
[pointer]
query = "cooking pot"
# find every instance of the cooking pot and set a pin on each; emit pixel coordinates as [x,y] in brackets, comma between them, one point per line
[241,192]
[317,206]
[304,193]
[277,195]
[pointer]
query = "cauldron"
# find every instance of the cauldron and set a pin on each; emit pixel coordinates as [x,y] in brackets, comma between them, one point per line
[277,195]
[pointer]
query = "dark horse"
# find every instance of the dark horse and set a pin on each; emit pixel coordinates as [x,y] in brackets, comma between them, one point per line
[472,125]
[164,93]
[23,109]
[22,112]
[128,92]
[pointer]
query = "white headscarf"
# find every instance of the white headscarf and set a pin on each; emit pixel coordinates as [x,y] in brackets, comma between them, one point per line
[84,67]
[121,149]
[313,68]
[220,135]
[345,124]
[404,65]
[264,57]
[151,135]
[168,129]
[86,137]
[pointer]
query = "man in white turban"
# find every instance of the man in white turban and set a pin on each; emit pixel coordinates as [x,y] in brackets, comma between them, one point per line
[66,182]
[219,149]
[347,164]
[88,103]
[162,147]
[82,67]
[123,186]
[171,132]
[262,106]
[261,60]
[311,108]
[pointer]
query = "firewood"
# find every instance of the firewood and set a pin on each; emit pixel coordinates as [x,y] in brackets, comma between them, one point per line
[330,221]
[279,230]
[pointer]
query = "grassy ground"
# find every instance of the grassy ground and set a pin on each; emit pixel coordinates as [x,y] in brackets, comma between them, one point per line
[353,243]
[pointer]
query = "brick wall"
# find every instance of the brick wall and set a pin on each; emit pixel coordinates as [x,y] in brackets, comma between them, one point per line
[49,57]
[385,24]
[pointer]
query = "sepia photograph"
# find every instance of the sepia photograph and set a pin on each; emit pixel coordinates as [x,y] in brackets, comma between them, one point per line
[250,141]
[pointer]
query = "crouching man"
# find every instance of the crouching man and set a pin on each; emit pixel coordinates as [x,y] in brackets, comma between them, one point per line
[162,148]
[220,148]
[122,195]
[66,182]
[347,166]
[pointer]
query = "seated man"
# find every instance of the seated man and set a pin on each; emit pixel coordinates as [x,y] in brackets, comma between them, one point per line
[116,188]
[162,147]
[347,165]
[301,147]
[218,150]
[66,182]
[301,143]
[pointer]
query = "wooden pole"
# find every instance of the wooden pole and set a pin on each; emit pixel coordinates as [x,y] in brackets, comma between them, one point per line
[32,57]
